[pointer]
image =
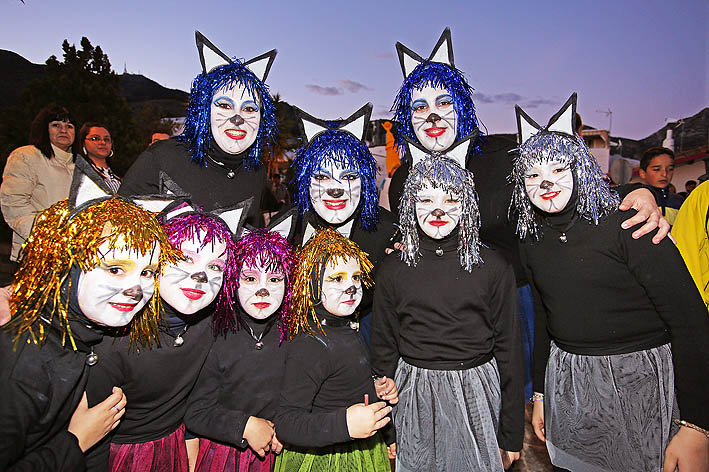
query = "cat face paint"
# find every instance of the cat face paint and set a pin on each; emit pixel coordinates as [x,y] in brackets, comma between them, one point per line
[342,287]
[433,118]
[112,293]
[549,185]
[335,192]
[194,283]
[437,211]
[261,290]
[235,116]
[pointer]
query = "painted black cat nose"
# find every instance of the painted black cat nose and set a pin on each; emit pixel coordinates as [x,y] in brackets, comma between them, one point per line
[335,192]
[136,293]
[438,213]
[262,292]
[546,185]
[433,118]
[200,277]
[351,291]
[237,120]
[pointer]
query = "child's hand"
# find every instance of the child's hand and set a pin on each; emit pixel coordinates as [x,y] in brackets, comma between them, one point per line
[259,433]
[386,390]
[90,425]
[363,421]
[276,444]
[538,420]
[688,451]
[508,457]
[391,449]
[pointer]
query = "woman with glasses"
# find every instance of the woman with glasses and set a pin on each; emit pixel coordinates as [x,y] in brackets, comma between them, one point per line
[97,148]
[38,175]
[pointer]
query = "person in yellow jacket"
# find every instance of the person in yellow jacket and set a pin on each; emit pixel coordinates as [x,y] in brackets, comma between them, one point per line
[691,232]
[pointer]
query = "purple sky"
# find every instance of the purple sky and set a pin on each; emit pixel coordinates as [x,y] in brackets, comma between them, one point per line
[646,60]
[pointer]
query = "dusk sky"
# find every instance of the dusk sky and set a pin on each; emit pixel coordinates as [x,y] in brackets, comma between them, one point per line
[645,60]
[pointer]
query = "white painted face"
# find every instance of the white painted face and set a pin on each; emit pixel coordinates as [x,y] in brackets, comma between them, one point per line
[437,212]
[342,287]
[235,116]
[335,192]
[549,185]
[433,118]
[261,291]
[194,283]
[112,293]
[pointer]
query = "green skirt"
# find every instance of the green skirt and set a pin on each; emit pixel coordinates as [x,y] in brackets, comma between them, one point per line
[360,455]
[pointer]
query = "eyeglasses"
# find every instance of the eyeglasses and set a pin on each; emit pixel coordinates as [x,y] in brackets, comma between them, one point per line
[96,139]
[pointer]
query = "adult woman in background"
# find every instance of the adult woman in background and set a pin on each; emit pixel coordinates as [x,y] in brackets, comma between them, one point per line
[38,175]
[97,147]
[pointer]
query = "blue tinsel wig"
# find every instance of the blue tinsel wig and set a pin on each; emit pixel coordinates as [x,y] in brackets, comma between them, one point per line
[434,74]
[198,130]
[344,149]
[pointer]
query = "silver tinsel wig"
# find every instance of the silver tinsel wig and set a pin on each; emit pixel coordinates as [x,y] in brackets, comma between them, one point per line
[438,171]
[595,197]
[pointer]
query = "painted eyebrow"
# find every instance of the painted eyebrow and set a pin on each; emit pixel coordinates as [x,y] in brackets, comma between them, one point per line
[323,171]
[349,171]
[252,103]
[127,264]
[223,97]
[421,101]
[445,96]
[338,274]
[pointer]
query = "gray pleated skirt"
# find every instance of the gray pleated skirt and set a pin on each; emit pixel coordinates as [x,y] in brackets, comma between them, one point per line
[446,420]
[609,413]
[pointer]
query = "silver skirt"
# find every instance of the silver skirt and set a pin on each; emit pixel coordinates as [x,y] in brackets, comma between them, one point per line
[447,420]
[609,413]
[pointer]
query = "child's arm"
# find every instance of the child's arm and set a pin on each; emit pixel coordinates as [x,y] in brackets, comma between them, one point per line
[664,276]
[385,326]
[206,417]
[508,354]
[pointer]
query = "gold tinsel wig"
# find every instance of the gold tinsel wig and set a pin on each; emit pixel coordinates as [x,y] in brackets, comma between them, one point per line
[59,240]
[326,246]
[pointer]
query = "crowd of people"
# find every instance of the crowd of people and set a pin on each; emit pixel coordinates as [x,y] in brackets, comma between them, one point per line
[156,325]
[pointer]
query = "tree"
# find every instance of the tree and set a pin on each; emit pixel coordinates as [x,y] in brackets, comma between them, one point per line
[85,84]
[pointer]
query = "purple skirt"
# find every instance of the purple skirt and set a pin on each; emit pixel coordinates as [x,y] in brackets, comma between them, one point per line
[168,454]
[215,457]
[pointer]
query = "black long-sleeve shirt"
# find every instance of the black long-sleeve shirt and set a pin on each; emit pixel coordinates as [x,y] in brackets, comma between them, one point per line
[40,388]
[324,376]
[605,293]
[156,382]
[237,381]
[208,186]
[438,316]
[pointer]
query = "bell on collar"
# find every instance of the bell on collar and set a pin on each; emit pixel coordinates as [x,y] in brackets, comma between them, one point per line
[91,358]
[439,252]
[230,174]
[179,341]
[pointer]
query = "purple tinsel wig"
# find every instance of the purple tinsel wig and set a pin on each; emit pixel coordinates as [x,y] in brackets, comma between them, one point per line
[269,249]
[208,229]
[434,74]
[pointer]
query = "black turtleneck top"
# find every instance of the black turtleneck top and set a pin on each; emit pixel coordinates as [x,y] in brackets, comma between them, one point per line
[156,382]
[603,293]
[325,374]
[40,388]
[208,186]
[238,380]
[438,316]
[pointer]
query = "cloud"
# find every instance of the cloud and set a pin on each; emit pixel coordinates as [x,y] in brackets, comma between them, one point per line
[511,98]
[329,91]
[352,86]
[381,111]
